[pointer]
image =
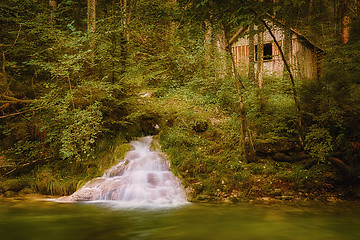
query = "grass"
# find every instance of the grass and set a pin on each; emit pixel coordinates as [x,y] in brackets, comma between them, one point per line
[210,162]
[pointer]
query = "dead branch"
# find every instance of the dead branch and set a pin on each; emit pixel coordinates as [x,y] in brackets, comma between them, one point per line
[182,16]
[340,164]
[12,100]
[21,166]
[14,114]
[240,31]
[17,36]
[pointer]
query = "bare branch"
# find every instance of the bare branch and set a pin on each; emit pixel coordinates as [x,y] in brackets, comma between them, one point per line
[18,113]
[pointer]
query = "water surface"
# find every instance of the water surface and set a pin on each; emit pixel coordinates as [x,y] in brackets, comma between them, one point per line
[29,220]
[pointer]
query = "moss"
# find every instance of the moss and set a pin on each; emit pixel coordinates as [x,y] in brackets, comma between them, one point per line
[10,194]
[121,150]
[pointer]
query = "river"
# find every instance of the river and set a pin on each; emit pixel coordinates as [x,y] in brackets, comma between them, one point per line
[37,220]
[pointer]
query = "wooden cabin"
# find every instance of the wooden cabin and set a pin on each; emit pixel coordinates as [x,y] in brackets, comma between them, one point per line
[305,57]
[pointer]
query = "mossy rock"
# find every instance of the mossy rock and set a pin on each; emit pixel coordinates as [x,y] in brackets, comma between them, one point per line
[199,125]
[14,185]
[198,187]
[26,191]
[121,150]
[294,157]
[276,147]
[10,194]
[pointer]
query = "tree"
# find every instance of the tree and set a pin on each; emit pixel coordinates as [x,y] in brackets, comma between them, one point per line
[345,21]
[91,27]
[251,74]
[260,58]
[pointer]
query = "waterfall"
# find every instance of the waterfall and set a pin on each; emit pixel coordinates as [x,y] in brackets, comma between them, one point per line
[143,178]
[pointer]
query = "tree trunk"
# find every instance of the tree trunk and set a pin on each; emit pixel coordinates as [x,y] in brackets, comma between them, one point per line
[287,66]
[251,73]
[246,138]
[345,20]
[126,7]
[91,27]
[260,59]
[207,43]
[287,51]
[221,64]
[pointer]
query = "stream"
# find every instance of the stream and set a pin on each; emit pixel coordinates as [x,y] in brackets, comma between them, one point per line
[35,220]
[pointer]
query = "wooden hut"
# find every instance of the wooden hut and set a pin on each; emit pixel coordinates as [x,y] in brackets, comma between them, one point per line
[305,57]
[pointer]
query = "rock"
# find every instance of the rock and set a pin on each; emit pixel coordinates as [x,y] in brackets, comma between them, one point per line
[10,194]
[199,125]
[26,191]
[276,192]
[14,186]
[265,198]
[331,199]
[281,157]
[275,147]
[287,197]
[198,187]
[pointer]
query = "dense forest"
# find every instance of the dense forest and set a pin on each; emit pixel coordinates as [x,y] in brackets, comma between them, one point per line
[79,79]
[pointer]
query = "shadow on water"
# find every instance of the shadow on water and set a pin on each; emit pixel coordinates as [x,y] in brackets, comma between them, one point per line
[51,220]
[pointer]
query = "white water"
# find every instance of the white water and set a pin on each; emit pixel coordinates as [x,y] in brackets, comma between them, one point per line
[142,179]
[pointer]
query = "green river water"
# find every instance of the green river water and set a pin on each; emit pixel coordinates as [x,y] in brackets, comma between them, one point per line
[31,220]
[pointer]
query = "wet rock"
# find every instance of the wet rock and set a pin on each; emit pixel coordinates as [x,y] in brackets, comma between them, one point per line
[286,197]
[331,199]
[265,199]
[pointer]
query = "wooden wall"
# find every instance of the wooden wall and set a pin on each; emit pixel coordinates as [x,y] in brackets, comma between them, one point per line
[303,57]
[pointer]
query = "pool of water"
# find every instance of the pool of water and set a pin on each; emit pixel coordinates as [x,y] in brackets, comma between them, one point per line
[35,220]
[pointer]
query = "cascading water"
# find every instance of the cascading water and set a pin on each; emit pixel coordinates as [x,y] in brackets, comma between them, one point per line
[143,178]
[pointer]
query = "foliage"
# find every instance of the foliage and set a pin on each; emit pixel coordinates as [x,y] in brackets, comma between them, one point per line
[69,96]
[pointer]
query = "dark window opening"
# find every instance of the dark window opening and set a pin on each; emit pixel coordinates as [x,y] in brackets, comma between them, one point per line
[267,53]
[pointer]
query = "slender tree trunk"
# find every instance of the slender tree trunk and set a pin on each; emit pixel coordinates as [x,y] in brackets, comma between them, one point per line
[310,8]
[345,20]
[207,44]
[287,51]
[251,73]
[260,58]
[287,66]
[246,138]
[221,63]
[91,25]
[126,8]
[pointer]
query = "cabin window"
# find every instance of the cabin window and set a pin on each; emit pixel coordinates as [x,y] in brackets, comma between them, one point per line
[268,52]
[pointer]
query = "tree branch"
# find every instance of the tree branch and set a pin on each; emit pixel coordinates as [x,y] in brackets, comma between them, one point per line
[14,100]
[18,113]
[21,166]
[341,165]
